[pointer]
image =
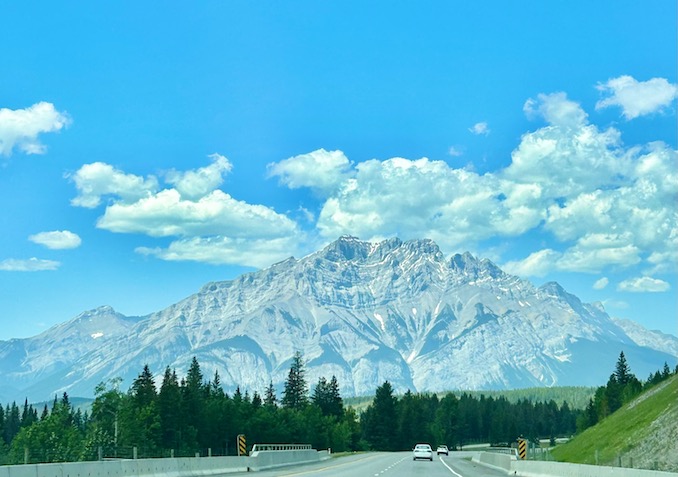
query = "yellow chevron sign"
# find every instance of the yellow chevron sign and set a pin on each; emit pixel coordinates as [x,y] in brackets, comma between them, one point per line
[242,446]
[522,449]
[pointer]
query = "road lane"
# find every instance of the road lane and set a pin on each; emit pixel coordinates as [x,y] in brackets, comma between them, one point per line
[386,464]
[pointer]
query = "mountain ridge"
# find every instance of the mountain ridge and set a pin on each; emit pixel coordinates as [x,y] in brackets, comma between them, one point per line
[366,312]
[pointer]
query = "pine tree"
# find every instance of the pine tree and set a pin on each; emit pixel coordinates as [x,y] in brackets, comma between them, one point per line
[379,418]
[169,407]
[622,372]
[666,372]
[193,400]
[295,392]
[270,400]
[143,388]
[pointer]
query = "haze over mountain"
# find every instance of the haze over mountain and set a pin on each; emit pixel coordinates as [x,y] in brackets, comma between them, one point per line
[364,312]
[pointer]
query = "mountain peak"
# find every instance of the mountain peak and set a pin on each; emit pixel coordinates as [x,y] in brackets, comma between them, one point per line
[362,311]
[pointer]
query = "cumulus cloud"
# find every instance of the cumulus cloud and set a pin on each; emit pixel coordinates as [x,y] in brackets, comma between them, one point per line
[168,214]
[20,127]
[320,170]
[29,265]
[480,129]
[197,183]
[225,251]
[605,204]
[601,283]
[96,180]
[209,224]
[57,239]
[537,264]
[637,98]
[643,284]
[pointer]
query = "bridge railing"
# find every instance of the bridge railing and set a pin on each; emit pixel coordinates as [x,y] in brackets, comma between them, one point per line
[280,447]
[502,450]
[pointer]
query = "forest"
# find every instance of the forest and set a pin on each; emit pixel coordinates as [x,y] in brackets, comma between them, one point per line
[192,415]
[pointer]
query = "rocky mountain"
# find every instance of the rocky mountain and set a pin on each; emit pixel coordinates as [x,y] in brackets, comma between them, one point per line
[364,312]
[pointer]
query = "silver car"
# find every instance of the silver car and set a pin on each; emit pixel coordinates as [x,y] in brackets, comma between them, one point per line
[423,451]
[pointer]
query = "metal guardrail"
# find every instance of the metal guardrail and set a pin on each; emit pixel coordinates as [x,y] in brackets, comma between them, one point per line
[502,450]
[280,447]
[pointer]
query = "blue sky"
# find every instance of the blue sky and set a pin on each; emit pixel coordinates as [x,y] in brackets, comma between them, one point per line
[147,150]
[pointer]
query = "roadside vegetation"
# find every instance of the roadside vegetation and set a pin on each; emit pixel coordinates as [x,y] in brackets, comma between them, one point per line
[629,423]
[182,417]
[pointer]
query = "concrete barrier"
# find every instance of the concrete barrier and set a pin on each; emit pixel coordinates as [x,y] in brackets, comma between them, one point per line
[492,459]
[562,469]
[528,468]
[173,467]
[261,460]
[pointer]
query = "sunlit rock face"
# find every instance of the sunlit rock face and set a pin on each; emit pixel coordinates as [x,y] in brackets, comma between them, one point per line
[363,312]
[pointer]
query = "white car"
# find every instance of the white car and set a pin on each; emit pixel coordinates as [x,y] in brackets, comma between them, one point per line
[442,450]
[423,451]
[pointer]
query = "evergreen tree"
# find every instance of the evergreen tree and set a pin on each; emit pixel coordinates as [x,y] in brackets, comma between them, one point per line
[169,408]
[12,422]
[28,416]
[143,388]
[295,392]
[270,399]
[379,418]
[666,372]
[622,372]
[139,417]
[256,401]
[193,405]
[326,396]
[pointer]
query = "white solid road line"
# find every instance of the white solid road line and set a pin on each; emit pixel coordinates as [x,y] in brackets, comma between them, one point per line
[450,469]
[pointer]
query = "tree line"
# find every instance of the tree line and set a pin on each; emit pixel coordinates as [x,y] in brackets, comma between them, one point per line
[182,417]
[621,388]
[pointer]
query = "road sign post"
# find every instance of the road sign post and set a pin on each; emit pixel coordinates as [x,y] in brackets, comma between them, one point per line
[522,449]
[242,446]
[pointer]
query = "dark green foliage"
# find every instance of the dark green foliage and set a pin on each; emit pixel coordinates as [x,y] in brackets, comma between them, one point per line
[295,392]
[621,388]
[326,396]
[379,419]
[189,416]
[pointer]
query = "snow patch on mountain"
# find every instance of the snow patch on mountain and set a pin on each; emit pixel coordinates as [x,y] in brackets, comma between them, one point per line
[363,312]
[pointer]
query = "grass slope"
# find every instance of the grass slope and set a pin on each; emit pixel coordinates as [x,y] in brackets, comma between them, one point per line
[643,433]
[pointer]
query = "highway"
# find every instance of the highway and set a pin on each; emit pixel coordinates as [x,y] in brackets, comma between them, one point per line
[387,464]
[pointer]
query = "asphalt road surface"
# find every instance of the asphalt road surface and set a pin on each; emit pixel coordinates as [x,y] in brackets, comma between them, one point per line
[387,464]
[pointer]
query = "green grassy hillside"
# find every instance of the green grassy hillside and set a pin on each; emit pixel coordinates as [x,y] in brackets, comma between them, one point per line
[643,433]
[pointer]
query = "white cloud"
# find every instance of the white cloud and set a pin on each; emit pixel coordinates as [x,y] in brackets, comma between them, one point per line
[536,264]
[601,283]
[211,226]
[643,284]
[96,180]
[225,250]
[455,151]
[57,240]
[20,128]
[637,98]
[320,170]
[197,183]
[30,265]
[480,128]
[605,204]
[556,109]
[568,156]
[168,214]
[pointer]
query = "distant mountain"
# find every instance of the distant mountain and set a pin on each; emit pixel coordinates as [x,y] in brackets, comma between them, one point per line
[364,312]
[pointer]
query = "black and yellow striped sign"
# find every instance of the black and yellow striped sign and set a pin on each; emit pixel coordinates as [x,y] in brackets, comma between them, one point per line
[242,446]
[522,449]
